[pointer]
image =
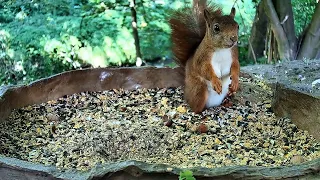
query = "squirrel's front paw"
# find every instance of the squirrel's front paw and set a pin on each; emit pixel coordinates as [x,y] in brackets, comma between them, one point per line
[234,84]
[216,85]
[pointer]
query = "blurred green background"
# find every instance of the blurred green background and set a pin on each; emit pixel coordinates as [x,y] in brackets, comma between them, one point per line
[39,38]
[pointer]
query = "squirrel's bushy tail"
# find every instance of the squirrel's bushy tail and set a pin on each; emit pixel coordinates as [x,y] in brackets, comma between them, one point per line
[188,28]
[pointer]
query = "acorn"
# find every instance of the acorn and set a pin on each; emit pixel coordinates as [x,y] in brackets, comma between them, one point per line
[202,128]
[123,109]
[168,123]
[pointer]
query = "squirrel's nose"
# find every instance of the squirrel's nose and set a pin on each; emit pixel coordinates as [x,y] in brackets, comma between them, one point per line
[233,38]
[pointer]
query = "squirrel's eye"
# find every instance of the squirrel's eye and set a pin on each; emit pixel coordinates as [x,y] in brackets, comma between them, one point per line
[216,28]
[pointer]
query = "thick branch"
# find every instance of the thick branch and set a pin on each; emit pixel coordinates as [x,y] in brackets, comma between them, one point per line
[283,45]
[285,14]
[311,42]
[134,28]
[258,34]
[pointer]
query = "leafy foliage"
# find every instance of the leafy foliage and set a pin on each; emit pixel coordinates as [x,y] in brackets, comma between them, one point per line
[54,33]
[43,37]
[186,175]
[303,11]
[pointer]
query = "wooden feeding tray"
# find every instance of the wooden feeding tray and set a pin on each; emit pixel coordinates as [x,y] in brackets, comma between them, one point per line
[133,123]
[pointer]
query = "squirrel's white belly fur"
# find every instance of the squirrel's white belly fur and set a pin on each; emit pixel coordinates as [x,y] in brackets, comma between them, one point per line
[221,62]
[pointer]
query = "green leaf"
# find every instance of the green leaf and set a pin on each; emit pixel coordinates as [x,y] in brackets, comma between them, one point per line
[186,175]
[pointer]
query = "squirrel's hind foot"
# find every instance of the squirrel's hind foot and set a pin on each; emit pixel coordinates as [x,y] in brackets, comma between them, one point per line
[227,102]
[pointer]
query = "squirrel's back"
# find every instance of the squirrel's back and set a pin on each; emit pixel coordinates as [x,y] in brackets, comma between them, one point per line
[188,28]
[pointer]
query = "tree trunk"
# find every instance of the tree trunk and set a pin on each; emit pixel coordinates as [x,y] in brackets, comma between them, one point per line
[286,46]
[285,14]
[258,34]
[311,43]
[279,33]
[135,29]
[270,45]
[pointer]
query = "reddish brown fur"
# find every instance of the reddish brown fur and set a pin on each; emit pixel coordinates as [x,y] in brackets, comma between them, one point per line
[188,28]
[194,43]
[235,70]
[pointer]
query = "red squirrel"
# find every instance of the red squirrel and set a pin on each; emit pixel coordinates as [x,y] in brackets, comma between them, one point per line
[204,42]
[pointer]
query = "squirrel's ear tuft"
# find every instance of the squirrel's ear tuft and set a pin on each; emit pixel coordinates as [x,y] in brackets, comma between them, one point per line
[233,12]
[207,15]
